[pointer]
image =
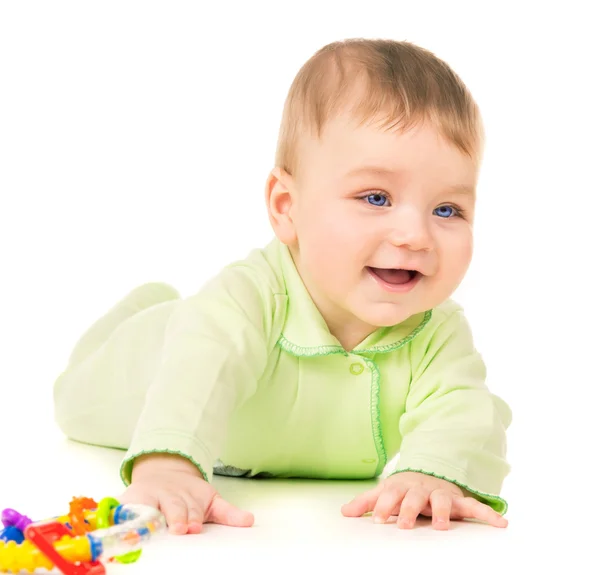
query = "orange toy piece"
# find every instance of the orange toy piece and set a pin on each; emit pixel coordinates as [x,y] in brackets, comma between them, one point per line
[76,508]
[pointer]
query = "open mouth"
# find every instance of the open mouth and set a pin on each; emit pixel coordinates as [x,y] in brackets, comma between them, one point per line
[395,280]
[395,276]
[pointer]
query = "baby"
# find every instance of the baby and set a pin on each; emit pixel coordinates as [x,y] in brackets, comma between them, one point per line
[334,349]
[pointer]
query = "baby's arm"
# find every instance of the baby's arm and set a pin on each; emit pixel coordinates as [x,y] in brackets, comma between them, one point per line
[215,350]
[453,427]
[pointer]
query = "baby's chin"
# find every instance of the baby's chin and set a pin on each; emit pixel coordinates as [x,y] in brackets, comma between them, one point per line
[385,314]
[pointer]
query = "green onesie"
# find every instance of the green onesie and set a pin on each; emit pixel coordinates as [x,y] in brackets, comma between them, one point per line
[244,378]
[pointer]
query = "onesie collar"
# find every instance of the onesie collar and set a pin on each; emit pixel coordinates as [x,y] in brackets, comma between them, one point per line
[305,332]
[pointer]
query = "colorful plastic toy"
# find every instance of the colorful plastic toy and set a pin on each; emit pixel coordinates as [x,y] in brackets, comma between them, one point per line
[76,543]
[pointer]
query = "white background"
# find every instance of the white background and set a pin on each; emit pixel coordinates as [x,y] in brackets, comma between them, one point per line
[135,141]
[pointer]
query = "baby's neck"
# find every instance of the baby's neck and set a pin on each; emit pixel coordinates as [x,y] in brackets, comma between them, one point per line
[351,336]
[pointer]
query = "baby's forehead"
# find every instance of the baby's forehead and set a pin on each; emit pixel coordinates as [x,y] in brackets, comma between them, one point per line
[350,156]
[372,147]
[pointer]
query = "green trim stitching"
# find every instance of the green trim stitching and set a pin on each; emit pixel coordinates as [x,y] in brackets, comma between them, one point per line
[299,351]
[323,350]
[394,346]
[495,502]
[376,416]
[129,461]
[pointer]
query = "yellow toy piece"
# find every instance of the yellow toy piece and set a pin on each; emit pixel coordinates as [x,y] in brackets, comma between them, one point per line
[26,556]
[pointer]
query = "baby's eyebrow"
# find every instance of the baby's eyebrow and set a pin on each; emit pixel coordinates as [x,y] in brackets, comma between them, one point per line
[466,189]
[462,189]
[373,170]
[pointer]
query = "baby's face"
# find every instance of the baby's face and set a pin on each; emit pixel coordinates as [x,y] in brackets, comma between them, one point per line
[383,222]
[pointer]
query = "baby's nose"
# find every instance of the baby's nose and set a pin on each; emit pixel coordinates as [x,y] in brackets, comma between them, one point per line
[411,231]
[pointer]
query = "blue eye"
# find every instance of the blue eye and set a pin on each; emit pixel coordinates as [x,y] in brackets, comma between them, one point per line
[445,211]
[378,200]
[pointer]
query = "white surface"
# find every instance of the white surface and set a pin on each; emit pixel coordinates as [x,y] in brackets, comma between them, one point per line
[135,140]
[299,526]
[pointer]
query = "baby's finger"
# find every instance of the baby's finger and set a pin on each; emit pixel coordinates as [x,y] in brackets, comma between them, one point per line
[388,502]
[175,511]
[415,500]
[469,508]
[441,507]
[224,513]
[363,503]
[195,512]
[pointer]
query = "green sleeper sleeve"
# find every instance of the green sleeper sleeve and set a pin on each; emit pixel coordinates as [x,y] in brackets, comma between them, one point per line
[453,427]
[214,352]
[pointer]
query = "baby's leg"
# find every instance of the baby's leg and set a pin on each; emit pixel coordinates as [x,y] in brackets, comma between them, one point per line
[139,299]
[99,397]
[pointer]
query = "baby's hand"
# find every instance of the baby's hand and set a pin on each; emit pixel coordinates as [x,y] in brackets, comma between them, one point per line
[409,494]
[175,486]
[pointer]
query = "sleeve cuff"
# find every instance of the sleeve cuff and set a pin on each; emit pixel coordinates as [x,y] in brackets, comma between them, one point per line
[186,447]
[453,475]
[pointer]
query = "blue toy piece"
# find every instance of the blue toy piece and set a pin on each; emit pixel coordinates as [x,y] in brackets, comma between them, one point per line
[12,534]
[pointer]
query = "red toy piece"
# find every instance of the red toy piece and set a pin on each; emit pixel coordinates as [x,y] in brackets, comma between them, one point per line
[43,537]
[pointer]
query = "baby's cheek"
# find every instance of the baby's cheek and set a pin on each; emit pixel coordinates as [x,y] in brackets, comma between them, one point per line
[329,265]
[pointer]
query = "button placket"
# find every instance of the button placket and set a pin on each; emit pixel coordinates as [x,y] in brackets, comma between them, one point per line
[357,368]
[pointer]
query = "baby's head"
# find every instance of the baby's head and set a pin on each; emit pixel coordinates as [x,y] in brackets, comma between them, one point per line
[374,185]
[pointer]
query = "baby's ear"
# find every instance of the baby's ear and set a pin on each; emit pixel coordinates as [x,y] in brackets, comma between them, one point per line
[279,196]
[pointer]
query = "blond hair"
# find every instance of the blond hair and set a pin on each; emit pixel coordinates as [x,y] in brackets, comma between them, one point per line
[395,83]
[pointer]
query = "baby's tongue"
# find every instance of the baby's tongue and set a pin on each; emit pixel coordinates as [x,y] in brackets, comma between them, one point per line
[393,276]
